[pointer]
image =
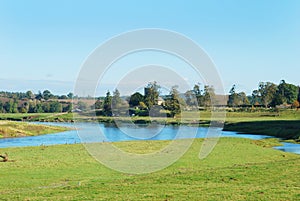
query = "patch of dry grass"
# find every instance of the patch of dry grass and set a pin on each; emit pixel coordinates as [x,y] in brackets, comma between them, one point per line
[19,129]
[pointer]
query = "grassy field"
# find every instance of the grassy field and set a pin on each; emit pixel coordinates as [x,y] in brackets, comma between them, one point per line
[237,169]
[285,129]
[285,124]
[188,116]
[20,129]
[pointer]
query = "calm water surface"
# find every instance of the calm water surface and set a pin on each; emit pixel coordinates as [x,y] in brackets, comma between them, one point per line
[90,132]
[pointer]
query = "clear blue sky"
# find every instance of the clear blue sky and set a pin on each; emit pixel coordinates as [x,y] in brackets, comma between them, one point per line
[44,43]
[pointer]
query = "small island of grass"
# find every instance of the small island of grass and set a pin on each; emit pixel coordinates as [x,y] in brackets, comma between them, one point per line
[10,129]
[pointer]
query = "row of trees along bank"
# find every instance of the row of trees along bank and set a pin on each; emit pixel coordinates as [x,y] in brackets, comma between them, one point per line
[266,95]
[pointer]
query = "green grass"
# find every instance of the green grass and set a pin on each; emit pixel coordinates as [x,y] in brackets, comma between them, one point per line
[50,117]
[266,115]
[285,124]
[237,169]
[285,129]
[20,129]
[189,116]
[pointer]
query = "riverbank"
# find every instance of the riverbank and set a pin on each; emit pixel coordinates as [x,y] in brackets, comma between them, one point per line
[187,117]
[284,124]
[284,129]
[237,169]
[9,129]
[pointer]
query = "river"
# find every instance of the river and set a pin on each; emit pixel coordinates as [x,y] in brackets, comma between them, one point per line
[89,132]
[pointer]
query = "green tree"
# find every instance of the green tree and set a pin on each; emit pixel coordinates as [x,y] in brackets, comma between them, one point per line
[117,103]
[98,104]
[30,95]
[267,92]
[173,102]
[47,95]
[70,95]
[82,105]
[55,107]
[107,104]
[243,99]
[35,106]
[190,98]
[198,94]
[68,107]
[196,89]
[62,97]
[278,99]
[32,107]
[287,92]
[24,107]
[209,96]
[233,99]
[255,97]
[299,94]
[1,107]
[8,106]
[39,96]
[15,107]
[116,100]
[39,108]
[46,106]
[151,94]
[135,99]
[142,105]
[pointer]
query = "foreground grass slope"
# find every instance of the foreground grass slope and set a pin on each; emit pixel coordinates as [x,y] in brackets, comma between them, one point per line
[237,169]
[20,129]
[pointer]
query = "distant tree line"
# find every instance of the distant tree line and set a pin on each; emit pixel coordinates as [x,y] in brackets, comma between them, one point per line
[152,102]
[268,94]
[28,102]
[46,95]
